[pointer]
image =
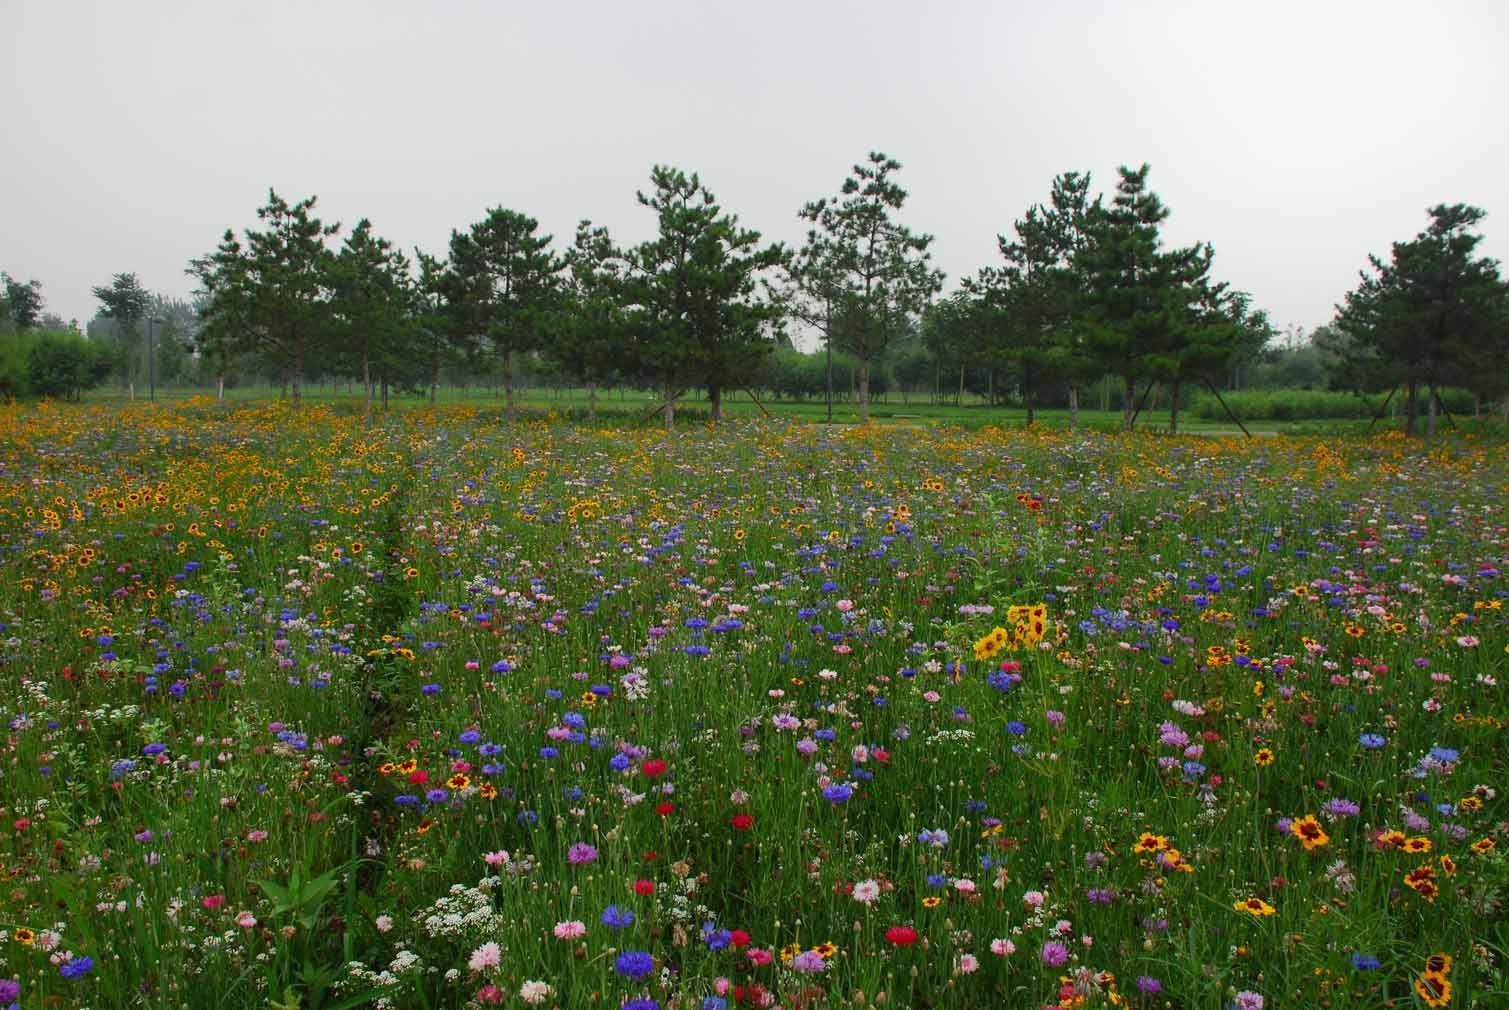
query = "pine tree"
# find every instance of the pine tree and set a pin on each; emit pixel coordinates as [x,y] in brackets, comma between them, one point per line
[504,286]
[588,328]
[861,267]
[1137,295]
[371,301]
[1434,313]
[702,311]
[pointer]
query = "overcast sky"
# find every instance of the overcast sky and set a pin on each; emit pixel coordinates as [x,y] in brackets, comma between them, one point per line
[1294,136]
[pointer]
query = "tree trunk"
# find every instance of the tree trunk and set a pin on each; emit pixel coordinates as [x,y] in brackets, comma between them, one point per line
[592,401]
[864,390]
[1128,409]
[937,382]
[715,395]
[1031,403]
[959,400]
[1430,413]
[1173,407]
[434,376]
[385,394]
[296,373]
[508,362]
[1073,406]
[670,407]
[367,382]
[1411,407]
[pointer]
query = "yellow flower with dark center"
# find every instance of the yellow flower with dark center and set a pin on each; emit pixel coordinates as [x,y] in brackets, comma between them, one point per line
[1255,906]
[1263,758]
[1417,846]
[931,901]
[1149,842]
[1434,989]
[458,781]
[1308,830]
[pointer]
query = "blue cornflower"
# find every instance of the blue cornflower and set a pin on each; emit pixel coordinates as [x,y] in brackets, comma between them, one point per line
[1372,741]
[1365,962]
[635,964]
[1016,728]
[501,666]
[76,967]
[470,736]
[154,749]
[617,917]
[715,938]
[839,792]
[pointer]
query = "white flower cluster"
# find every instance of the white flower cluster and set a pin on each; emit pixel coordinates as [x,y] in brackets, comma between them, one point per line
[462,911]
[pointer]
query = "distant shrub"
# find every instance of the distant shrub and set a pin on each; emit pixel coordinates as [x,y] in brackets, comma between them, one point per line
[1312,404]
[59,363]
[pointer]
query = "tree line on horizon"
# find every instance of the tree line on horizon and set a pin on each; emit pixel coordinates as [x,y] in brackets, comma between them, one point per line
[1085,290]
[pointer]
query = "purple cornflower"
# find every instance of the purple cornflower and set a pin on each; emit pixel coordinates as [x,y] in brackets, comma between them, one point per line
[809,961]
[581,853]
[1055,954]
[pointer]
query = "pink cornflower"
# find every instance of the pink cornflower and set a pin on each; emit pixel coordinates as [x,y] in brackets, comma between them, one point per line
[572,929]
[484,957]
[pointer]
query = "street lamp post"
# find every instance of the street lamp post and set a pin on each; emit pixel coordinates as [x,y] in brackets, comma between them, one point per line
[152,359]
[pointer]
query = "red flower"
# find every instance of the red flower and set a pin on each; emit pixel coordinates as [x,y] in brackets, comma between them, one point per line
[665,809]
[901,936]
[742,822]
[420,777]
[739,938]
[653,768]
[643,887]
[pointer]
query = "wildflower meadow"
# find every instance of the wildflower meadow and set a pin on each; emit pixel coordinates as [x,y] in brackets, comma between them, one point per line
[306,709]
